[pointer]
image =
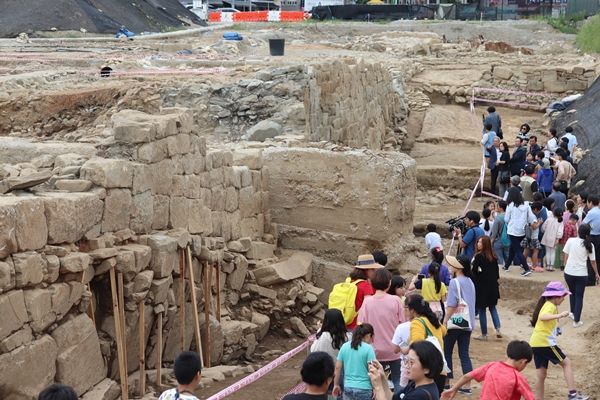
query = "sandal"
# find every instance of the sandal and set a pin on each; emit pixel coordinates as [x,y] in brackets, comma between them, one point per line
[481,337]
[498,334]
[549,268]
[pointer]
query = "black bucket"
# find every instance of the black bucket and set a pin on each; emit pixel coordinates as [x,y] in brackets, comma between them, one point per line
[276,47]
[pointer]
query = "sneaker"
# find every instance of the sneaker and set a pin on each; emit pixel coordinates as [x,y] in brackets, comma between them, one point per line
[481,337]
[572,316]
[577,324]
[576,396]
[498,334]
[505,269]
[525,273]
[470,392]
[538,269]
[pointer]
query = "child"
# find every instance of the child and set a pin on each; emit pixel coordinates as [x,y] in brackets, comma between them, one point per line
[501,380]
[401,339]
[432,239]
[434,291]
[533,244]
[58,391]
[398,287]
[187,369]
[317,371]
[354,357]
[569,231]
[543,340]
[553,232]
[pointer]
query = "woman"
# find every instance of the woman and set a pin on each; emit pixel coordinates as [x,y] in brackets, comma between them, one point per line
[361,275]
[503,163]
[424,364]
[424,323]
[487,290]
[461,270]
[384,312]
[577,251]
[582,208]
[487,221]
[524,133]
[433,289]
[551,143]
[545,178]
[330,338]
[518,214]
[437,255]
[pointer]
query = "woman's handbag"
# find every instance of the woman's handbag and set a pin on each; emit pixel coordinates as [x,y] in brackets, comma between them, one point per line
[461,319]
[504,177]
[431,338]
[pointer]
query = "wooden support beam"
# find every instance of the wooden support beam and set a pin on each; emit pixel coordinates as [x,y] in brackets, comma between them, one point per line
[142,348]
[207,297]
[122,316]
[118,334]
[182,300]
[218,272]
[159,350]
[194,304]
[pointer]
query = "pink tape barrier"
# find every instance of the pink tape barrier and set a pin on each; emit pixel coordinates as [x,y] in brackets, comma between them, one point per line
[161,72]
[513,92]
[261,372]
[514,103]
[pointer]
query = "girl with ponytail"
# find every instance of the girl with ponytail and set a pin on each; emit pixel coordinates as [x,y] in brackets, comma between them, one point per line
[437,255]
[424,323]
[553,231]
[353,358]
[432,288]
[577,253]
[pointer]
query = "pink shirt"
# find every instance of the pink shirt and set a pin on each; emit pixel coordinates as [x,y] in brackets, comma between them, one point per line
[385,313]
[502,382]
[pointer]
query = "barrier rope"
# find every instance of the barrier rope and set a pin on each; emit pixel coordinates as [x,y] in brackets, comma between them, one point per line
[513,92]
[160,72]
[263,371]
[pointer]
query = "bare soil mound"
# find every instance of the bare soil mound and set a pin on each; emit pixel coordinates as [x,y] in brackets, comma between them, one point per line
[95,16]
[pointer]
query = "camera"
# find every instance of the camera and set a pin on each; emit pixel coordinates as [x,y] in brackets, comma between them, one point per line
[457,222]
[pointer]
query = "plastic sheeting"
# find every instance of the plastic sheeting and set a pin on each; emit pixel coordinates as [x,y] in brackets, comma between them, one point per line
[586,127]
[95,16]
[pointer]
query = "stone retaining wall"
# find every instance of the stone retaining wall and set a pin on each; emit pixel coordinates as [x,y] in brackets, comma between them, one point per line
[161,191]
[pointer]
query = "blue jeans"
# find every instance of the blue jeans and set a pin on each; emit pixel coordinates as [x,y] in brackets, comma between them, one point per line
[357,394]
[483,319]
[500,250]
[395,369]
[464,339]
[516,252]
[576,286]
[330,388]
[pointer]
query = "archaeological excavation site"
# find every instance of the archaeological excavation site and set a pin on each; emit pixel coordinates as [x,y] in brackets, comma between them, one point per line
[181,191]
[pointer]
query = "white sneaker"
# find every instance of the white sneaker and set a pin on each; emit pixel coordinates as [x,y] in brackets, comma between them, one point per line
[577,324]
[572,316]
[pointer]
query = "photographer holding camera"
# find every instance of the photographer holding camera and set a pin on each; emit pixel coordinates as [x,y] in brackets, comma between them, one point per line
[473,233]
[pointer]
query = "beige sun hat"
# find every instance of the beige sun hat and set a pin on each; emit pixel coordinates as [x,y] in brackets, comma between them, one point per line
[366,261]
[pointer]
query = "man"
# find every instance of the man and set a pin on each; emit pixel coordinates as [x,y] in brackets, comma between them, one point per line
[559,198]
[572,138]
[475,232]
[564,173]
[518,157]
[593,220]
[515,181]
[529,185]
[495,120]
[495,155]
[534,147]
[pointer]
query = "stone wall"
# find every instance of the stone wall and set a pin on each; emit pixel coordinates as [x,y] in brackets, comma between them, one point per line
[353,103]
[341,203]
[161,191]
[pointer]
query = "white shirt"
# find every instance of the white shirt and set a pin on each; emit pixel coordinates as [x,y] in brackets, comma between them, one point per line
[325,343]
[578,255]
[402,334]
[517,218]
[170,395]
[482,226]
[433,240]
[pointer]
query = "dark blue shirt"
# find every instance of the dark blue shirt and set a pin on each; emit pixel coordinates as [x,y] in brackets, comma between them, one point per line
[444,273]
[470,239]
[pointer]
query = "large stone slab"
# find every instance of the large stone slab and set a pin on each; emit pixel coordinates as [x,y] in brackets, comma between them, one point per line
[13,312]
[107,389]
[32,231]
[164,255]
[117,210]
[108,173]
[260,251]
[130,126]
[79,363]
[70,215]
[24,182]
[8,228]
[39,308]
[29,268]
[36,361]
[299,265]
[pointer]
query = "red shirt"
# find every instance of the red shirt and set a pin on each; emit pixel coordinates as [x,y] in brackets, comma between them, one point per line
[502,382]
[363,289]
[569,231]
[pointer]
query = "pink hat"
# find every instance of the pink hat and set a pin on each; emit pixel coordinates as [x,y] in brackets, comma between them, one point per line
[555,289]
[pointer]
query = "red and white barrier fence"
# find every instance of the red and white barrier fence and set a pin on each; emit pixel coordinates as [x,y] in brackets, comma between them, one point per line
[258,16]
[263,371]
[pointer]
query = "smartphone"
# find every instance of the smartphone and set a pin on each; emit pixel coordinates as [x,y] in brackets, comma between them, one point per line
[403,344]
[420,276]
